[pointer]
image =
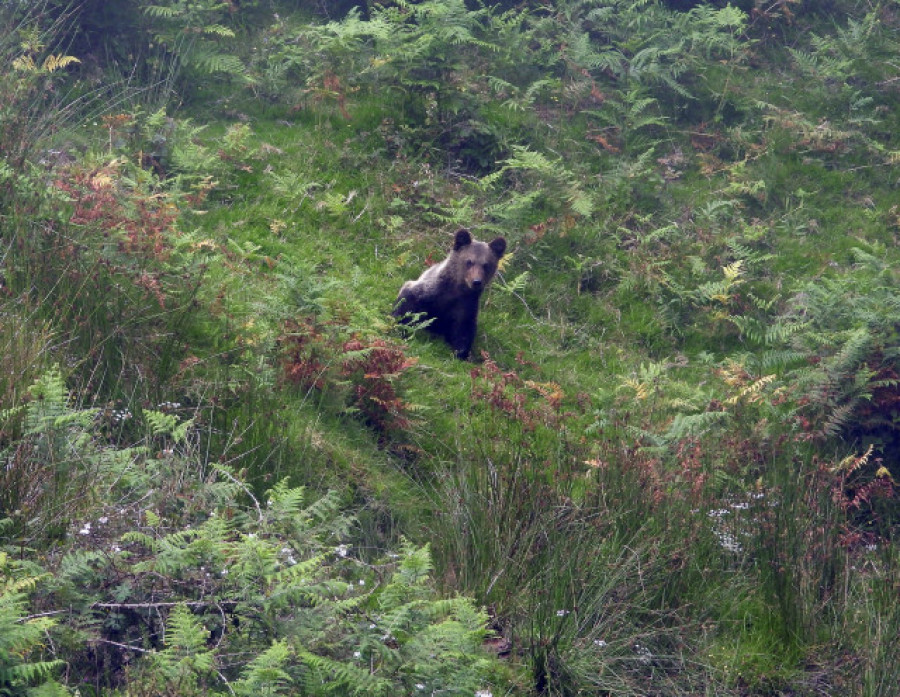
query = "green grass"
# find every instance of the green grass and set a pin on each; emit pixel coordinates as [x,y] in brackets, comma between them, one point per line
[573,481]
[470,479]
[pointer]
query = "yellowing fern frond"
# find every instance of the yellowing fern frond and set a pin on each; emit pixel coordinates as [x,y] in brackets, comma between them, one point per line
[851,463]
[734,271]
[53,63]
[641,389]
[25,64]
[752,391]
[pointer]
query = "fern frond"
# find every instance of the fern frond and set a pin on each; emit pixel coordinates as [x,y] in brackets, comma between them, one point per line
[218,30]
[838,419]
[58,62]
[211,61]
[693,425]
[24,64]
[266,674]
[752,391]
[161,11]
[851,463]
[853,352]
[777,360]
[325,508]
[344,677]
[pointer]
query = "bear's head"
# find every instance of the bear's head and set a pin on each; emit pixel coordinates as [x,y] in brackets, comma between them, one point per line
[476,262]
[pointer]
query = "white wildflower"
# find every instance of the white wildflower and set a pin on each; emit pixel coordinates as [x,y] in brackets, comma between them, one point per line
[644,654]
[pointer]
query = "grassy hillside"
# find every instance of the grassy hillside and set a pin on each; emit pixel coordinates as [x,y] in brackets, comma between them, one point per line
[671,466]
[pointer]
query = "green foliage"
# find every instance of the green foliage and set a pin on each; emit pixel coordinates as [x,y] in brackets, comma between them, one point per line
[861,49]
[265,675]
[547,184]
[21,636]
[845,327]
[672,470]
[268,582]
[184,663]
[50,466]
[196,35]
[287,581]
[30,109]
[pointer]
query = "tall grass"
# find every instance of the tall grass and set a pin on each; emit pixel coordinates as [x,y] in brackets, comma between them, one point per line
[638,487]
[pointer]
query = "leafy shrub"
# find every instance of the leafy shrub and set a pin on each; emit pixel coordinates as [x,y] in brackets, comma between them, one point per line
[845,327]
[21,636]
[196,35]
[191,555]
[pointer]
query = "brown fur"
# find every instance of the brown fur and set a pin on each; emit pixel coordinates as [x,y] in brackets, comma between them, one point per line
[448,293]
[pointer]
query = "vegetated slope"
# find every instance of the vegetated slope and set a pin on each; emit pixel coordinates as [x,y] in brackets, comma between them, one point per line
[672,468]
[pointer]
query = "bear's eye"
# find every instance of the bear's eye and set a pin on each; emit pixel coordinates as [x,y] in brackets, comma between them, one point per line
[469,263]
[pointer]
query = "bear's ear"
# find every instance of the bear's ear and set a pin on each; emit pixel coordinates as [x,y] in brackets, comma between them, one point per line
[498,246]
[463,239]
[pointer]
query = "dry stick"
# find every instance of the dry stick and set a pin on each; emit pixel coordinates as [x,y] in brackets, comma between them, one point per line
[146,606]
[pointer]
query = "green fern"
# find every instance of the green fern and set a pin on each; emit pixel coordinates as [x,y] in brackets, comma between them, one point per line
[693,425]
[21,636]
[185,662]
[265,675]
[194,33]
[553,181]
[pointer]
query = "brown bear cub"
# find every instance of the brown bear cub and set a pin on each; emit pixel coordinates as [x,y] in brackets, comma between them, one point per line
[448,293]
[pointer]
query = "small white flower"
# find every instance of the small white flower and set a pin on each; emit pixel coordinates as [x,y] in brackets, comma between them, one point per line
[562,613]
[644,654]
[356,654]
[362,581]
[600,643]
[342,550]
[484,693]
[86,530]
[103,520]
[420,686]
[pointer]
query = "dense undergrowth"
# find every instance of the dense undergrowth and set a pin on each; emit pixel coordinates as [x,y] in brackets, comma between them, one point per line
[671,470]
